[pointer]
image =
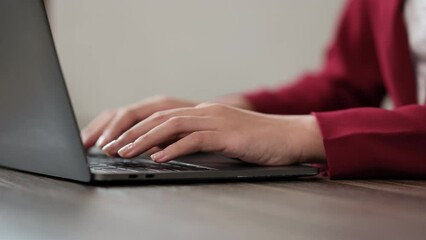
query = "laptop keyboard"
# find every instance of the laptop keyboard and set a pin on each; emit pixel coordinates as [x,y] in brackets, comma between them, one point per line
[104,164]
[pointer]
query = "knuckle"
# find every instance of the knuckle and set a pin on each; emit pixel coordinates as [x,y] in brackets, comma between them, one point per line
[197,138]
[128,134]
[175,122]
[145,138]
[214,107]
[159,116]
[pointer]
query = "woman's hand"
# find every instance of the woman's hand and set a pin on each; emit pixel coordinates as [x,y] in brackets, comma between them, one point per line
[252,137]
[112,123]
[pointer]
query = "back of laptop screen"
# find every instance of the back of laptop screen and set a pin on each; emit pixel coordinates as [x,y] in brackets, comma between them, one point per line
[38,132]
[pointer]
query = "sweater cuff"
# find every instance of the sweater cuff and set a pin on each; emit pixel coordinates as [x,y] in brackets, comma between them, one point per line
[344,152]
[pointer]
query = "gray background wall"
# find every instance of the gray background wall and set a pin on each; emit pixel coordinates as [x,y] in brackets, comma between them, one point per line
[114,52]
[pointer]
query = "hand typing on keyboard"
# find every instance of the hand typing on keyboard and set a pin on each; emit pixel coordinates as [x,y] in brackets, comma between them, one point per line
[250,136]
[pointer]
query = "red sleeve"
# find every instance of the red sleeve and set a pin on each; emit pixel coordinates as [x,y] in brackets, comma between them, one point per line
[350,76]
[375,143]
[362,141]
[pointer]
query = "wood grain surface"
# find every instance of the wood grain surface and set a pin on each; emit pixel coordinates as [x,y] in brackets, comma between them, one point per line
[35,207]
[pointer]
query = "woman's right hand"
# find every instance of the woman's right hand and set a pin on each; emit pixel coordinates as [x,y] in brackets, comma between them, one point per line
[112,123]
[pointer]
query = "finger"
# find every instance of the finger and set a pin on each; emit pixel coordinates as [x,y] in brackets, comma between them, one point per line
[149,106]
[146,125]
[126,118]
[91,133]
[204,141]
[123,120]
[154,150]
[165,132]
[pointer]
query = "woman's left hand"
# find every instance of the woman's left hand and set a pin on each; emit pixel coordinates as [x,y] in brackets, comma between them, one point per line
[252,137]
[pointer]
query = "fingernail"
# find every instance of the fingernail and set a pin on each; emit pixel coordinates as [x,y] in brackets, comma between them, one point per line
[157,157]
[101,141]
[110,146]
[126,150]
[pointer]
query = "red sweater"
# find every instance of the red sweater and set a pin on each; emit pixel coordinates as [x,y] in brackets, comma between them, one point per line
[368,58]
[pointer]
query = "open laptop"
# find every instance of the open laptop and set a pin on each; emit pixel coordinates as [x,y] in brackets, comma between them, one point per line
[38,131]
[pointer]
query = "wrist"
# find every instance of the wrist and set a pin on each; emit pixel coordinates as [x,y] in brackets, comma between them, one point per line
[311,141]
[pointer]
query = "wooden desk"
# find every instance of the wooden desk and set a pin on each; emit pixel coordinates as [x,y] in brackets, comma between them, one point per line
[33,207]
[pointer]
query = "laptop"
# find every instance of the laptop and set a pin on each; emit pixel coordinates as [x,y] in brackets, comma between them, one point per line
[38,131]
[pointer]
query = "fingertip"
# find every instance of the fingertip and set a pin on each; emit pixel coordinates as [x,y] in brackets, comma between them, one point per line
[109,145]
[121,154]
[126,151]
[159,157]
[161,161]
[109,148]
